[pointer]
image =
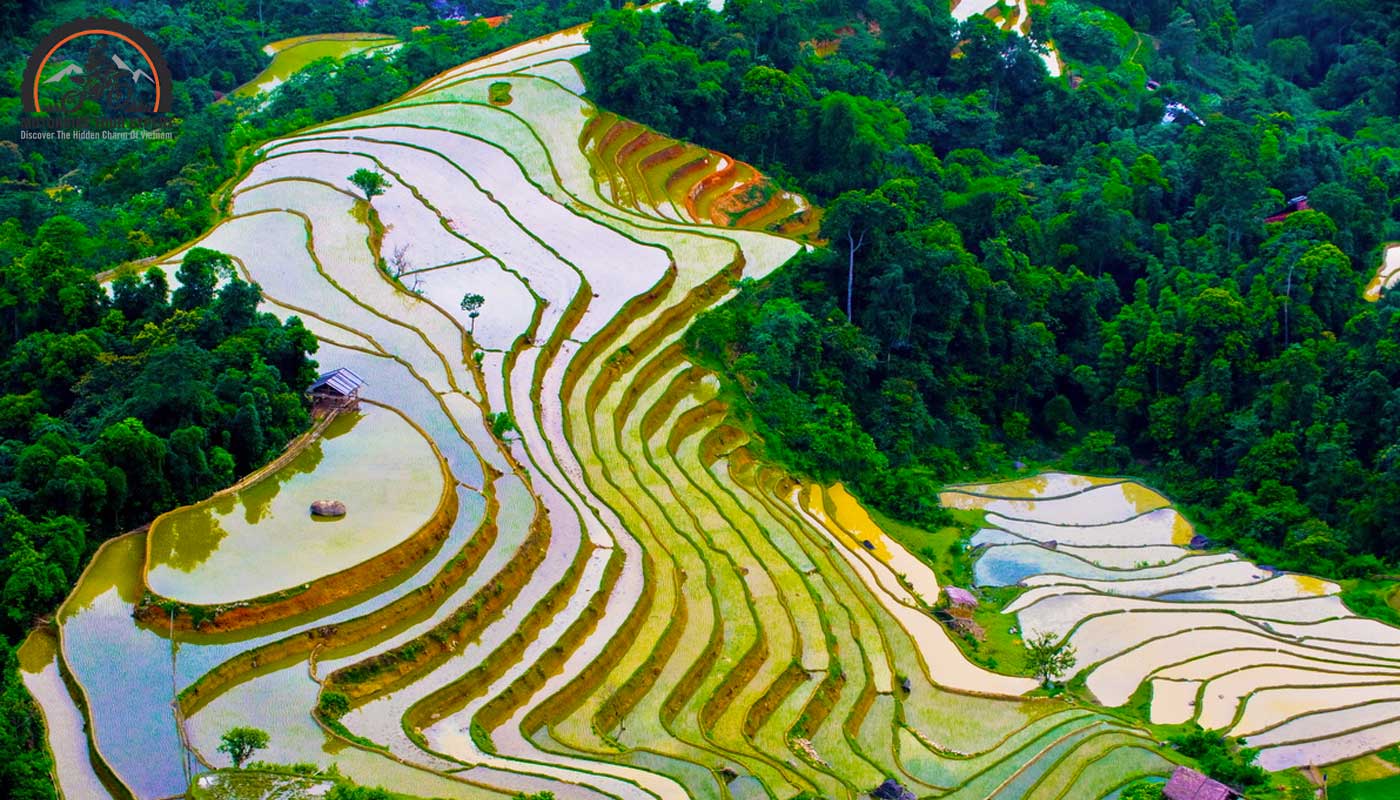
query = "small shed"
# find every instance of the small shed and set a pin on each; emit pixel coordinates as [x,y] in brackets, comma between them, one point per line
[337,389]
[1175,111]
[1188,784]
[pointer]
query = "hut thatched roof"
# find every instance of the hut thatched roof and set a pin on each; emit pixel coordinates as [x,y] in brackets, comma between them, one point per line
[1188,784]
[960,597]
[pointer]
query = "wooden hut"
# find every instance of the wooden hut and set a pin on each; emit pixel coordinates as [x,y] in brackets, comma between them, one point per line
[335,390]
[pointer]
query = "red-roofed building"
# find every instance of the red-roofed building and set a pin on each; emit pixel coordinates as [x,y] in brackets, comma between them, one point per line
[1188,784]
[1299,203]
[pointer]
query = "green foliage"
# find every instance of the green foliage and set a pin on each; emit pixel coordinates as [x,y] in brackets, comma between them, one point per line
[1098,452]
[1142,791]
[303,768]
[333,705]
[345,791]
[1379,789]
[114,409]
[1021,269]
[472,303]
[482,738]
[370,181]
[1372,599]
[502,423]
[120,408]
[24,767]
[1047,658]
[199,391]
[140,198]
[338,728]
[241,742]
[1225,760]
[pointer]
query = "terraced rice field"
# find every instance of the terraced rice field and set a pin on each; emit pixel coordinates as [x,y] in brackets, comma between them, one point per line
[1273,657]
[260,539]
[618,600]
[637,167]
[291,55]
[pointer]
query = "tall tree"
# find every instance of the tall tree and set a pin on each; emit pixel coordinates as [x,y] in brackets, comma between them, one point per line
[855,217]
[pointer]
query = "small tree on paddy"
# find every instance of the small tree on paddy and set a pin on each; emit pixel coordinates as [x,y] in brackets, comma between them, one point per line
[472,303]
[240,743]
[333,705]
[369,181]
[1047,659]
[502,423]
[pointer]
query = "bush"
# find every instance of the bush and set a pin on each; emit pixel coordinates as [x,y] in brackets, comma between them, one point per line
[1220,758]
[1143,791]
[333,705]
[502,423]
[343,791]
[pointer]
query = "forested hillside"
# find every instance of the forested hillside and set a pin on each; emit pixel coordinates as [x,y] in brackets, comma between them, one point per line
[141,198]
[116,408]
[1047,269]
[1103,270]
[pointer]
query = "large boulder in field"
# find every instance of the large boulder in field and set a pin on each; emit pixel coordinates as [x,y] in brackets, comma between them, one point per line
[327,508]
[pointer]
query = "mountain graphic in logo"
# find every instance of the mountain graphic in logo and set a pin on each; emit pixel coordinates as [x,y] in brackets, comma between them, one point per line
[122,73]
[73,69]
[136,75]
[70,69]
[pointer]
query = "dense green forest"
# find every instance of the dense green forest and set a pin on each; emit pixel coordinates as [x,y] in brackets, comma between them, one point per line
[1045,272]
[1038,269]
[115,408]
